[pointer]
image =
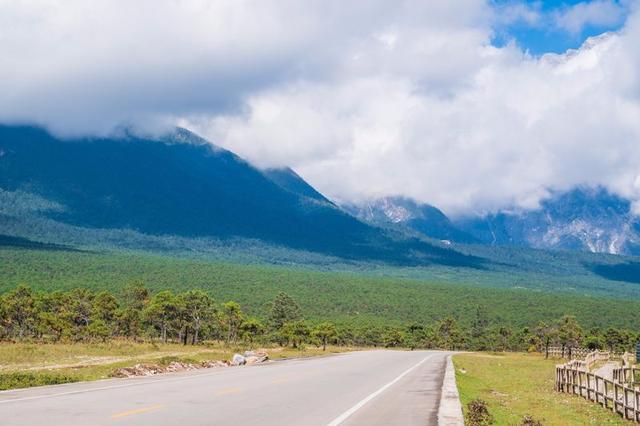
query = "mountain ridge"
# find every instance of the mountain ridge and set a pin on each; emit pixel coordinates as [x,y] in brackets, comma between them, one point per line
[182,185]
[584,218]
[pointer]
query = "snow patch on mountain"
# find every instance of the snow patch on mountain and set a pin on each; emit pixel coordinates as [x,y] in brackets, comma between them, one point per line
[584,218]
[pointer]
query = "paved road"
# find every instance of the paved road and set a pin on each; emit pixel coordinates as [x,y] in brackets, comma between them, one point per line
[361,388]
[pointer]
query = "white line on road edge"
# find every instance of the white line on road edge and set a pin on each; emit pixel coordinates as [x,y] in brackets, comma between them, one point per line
[135,381]
[344,416]
[450,411]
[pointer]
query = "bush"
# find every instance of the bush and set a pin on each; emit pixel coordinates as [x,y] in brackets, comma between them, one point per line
[530,421]
[478,414]
[26,380]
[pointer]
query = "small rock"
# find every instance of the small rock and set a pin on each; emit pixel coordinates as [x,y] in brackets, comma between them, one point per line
[214,364]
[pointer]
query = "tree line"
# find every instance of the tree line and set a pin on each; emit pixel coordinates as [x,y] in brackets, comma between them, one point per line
[188,317]
[193,316]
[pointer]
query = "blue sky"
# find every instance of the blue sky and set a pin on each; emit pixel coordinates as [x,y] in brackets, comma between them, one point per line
[558,25]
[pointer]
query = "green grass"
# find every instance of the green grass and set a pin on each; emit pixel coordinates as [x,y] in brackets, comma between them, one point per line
[515,385]
[343,297]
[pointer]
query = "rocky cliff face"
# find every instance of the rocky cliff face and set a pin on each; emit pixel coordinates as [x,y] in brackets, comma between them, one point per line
[422,218]
[586,219]
[589,219]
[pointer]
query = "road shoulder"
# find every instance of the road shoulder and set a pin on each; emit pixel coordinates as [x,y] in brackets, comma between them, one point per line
[450,411]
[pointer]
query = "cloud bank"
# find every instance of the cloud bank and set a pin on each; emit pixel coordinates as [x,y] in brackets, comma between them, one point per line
[363,99]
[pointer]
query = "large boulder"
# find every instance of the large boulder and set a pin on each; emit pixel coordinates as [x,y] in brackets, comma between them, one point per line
[238,360]
[256,357]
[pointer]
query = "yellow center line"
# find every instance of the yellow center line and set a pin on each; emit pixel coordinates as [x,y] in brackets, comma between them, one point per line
[228,391]
[278,381]
[137,411]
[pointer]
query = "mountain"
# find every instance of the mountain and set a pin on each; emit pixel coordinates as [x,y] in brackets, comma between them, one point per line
[291,181]
[423,218]
[180,185]
[584,218]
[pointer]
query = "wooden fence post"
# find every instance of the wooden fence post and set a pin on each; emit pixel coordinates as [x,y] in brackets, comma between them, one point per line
[580,383]
[574,377]
[626,403]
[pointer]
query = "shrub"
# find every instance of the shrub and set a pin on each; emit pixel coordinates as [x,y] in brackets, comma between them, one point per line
[478,414]
[16,380]
[530,421]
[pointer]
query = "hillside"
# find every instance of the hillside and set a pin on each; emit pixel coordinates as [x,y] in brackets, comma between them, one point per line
[182,197]
[181,187]
[355,297]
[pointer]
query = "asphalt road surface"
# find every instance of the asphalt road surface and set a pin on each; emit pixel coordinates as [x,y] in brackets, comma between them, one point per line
[360,388]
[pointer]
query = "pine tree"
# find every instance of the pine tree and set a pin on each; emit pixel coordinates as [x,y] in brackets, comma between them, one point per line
[251,328]
[232,318]
[479,328]
[161,311]
[198,309]
[546,334]
[20,309]
[284,310]
[569,333]
[325,332]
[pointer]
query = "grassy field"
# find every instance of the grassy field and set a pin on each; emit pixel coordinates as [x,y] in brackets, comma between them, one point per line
[342,297]
[25,364]
[516,384]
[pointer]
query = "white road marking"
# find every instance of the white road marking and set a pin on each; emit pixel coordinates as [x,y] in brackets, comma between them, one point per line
[344,416]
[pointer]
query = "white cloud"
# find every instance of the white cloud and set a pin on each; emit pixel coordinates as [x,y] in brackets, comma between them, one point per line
[82,66]
[597,13]
[517,12]
[364,99]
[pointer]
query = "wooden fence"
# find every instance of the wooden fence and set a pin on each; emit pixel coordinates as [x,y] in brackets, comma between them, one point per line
[596,356]
[626,375]
[576,353]
[574,378]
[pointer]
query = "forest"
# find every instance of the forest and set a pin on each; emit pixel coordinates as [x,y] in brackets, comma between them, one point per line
[355,298]
[192,316]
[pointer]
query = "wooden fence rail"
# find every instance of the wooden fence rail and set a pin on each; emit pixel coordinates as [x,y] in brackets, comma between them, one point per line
[626,375]
[611,395]
[596,356]
[572,353]
[574,378]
